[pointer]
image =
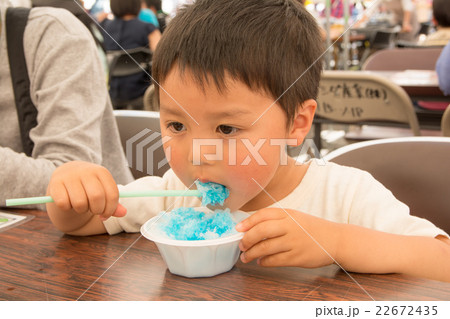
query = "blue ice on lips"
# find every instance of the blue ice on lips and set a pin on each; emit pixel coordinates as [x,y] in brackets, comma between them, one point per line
[212,193]
[187,223]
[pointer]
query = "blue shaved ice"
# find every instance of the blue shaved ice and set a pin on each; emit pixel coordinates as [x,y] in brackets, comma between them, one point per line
[212,193]
[186,223]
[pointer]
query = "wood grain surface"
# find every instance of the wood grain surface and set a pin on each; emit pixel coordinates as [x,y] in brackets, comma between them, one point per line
[38,262]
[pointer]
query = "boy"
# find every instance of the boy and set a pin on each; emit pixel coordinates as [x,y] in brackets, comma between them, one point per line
[221,65]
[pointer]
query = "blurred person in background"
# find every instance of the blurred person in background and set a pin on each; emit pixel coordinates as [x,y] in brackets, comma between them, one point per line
[73,6]
[126,31]
[163,18]
[441,19]
[148,14]
[337,8]
[443,69]
[62,111]
[403,14]
[152,12]
[77,9]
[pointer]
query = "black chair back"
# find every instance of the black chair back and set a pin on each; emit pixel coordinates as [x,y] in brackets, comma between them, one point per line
[133,61]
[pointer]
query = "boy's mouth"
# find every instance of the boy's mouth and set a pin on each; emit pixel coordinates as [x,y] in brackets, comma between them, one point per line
[203,180]
[206,180]
[212,193]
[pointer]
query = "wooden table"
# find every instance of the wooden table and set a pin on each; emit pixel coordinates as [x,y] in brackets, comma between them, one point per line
[37,262]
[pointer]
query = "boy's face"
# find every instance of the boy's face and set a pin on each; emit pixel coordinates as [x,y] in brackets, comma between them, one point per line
[232,138]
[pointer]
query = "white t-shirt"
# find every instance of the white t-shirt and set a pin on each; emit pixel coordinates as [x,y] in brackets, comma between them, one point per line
[337,193]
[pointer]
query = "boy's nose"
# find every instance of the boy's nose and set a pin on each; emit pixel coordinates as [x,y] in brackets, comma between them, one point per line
[206,151]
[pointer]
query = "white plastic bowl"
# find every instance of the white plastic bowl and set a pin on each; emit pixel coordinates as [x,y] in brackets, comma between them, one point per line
[196,258]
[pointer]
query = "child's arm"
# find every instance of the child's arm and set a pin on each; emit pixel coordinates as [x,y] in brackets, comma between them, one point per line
[84,194]
[276,239]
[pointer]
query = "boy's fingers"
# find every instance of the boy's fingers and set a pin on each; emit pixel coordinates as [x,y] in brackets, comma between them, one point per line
[58,192]
[258,217]
[282,259]
[265,248]
[264,230]
[77,196]
[111,193]
[95,194]
[120,211]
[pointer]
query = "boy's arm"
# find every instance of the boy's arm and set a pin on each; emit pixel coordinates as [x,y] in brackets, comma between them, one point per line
[369,251]
[84,194]
[290,238]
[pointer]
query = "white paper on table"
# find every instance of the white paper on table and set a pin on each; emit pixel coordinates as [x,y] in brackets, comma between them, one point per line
[415,77]
[7,219]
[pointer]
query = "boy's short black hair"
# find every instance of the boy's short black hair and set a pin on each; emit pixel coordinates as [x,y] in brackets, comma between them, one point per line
[270,45]
[121,8]
[441,12]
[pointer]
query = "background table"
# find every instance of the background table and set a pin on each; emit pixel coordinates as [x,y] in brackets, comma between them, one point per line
[420,85]
[37,262]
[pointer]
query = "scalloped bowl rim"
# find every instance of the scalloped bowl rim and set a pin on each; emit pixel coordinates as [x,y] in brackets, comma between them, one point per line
[239,215]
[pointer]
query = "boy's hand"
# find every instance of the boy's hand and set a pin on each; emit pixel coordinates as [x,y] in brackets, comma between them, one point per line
[85,187]
[277,239]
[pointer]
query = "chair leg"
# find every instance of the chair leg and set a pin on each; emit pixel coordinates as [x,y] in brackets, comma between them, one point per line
[317,138]
[150,100]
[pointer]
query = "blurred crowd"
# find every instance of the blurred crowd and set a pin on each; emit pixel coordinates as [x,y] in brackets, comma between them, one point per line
[414,22]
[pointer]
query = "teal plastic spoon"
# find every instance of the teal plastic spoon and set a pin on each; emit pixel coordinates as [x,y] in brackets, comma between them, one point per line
[148,193]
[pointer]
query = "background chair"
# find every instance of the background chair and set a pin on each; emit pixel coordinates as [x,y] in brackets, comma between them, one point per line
[407,59]
[425,28]
[415,169]
[402,59]
[424,31]
[379,39]
[348,97]
[130,62]
[445,123]
[141,141]
[151,103]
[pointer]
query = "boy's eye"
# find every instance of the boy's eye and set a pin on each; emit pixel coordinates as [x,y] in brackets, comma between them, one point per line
[176,126]
[226,129]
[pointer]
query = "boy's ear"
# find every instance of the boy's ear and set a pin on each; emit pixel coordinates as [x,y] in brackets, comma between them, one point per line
[302,121]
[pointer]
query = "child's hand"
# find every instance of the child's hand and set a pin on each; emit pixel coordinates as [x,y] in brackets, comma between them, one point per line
[275,239]
[85,188]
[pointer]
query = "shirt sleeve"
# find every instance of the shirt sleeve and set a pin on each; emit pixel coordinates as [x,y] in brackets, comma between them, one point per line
[67,86]
[140,210]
